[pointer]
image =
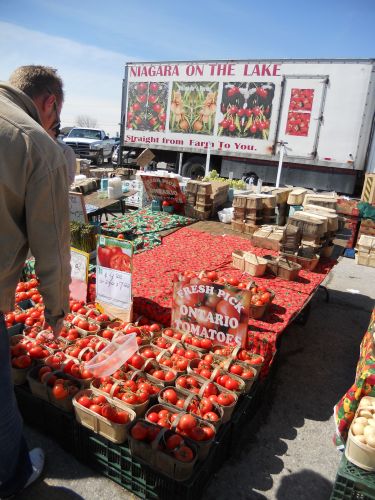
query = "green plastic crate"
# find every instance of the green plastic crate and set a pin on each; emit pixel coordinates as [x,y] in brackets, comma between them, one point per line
[117,463]
[353,483]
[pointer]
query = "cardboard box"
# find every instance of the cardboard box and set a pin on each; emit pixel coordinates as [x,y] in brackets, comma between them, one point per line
[145,157]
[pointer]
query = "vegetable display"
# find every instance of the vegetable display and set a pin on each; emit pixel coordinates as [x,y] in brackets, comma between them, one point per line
[246,110]
[83,236]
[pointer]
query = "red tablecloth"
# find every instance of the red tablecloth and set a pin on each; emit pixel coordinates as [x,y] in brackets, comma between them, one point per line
[193,250]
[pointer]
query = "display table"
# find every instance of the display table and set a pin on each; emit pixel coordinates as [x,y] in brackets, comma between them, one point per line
[146,225]
[97,204]
[192,250]
[364,384]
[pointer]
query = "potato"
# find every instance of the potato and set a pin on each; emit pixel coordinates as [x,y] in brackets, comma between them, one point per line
[365,413]
[371,422]
[357,429]
[370,440]
[360,439]
[369,430]
[361,420]
[365,402]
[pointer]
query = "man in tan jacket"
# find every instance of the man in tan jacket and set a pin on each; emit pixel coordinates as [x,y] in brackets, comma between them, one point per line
[34,214]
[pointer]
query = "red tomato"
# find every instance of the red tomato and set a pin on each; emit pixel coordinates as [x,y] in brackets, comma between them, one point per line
[187,422]
[129,398]
[122,417]
[225,399]
[173,442]
[153,417]
[169,376]
[236,369]
[212,416]
[60,391]
[96,409]
[84,401]
[137,361]
[99,400]
[205,405]
[170,395]
[109,412]
[209,432]
[139,431]
[36,352]
[197,434]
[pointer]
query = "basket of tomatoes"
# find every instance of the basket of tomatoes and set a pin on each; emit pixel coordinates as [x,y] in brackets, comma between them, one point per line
[163,449]
[21,361]
[238,353]
[106,417]
[217,371]
[56,387]
[200,406]
[261,299]
[159,373]
[131,393]
[201,432]
[211,390]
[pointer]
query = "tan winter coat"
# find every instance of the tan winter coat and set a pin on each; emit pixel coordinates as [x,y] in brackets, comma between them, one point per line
[34,206]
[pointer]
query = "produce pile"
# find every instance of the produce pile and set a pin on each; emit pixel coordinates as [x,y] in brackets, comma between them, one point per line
[83,236]
[174,381]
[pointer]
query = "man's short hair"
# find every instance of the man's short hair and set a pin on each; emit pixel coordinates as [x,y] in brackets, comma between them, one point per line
[36,81]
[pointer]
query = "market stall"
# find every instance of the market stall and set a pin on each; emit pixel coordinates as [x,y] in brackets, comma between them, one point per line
[166,352]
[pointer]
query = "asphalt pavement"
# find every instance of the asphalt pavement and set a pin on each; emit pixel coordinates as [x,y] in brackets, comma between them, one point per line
[288,453]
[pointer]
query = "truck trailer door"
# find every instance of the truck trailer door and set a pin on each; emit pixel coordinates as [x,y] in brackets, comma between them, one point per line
[301,114]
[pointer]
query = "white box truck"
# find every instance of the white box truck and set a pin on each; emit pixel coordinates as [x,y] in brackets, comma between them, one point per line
[321,112]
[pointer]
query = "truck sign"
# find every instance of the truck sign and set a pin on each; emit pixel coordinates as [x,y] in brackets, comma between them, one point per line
[240,111]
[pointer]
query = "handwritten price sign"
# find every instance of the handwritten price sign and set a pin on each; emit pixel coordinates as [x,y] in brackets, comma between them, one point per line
[79,263]
[113,287]
[77,207]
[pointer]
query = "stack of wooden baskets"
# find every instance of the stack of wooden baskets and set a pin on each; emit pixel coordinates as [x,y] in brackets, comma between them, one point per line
[203,199]
[249,263]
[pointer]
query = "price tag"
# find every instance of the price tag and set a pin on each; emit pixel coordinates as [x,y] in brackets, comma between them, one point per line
[77,208]
[79,262]
[113,287]
[114,272]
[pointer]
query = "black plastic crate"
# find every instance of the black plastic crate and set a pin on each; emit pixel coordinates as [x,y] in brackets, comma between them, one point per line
[353,483]
[117,463]
[49,419]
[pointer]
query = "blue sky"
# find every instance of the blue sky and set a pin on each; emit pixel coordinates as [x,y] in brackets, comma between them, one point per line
[90,41]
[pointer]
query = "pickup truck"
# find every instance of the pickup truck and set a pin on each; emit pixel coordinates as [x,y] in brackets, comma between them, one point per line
[91,144]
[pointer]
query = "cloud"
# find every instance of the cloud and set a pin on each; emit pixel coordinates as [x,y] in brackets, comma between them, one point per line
[92,76]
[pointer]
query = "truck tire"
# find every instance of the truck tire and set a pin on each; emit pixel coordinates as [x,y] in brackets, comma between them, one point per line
[99,160]
[251,176]
[195,167]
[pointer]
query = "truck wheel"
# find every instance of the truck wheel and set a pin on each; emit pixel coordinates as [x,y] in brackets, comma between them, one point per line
[250,176]
[195,167]
[99,159]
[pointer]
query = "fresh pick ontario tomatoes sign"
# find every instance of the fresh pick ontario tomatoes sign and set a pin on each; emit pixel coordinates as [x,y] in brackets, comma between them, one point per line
[113,272]
[209,310]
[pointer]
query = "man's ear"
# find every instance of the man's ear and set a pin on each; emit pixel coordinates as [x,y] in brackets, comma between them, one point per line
[48,102]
